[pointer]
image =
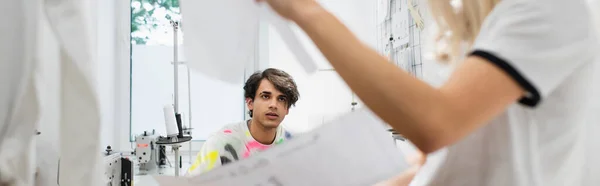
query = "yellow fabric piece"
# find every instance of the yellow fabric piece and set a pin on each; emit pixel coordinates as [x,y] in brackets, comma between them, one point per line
[211,157]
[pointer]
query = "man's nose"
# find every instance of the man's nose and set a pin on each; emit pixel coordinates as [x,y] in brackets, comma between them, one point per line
[273,103]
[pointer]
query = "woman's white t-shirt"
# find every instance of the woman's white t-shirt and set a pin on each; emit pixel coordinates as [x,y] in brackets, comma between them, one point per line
[550,48]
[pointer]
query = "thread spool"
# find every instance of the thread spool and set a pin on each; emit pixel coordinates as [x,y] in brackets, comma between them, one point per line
[184,123]
[170,121]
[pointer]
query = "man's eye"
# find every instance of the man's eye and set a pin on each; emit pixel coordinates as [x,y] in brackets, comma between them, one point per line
[282,99]
[265,96]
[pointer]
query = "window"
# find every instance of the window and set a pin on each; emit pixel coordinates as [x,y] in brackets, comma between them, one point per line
[150,22]
[212,104]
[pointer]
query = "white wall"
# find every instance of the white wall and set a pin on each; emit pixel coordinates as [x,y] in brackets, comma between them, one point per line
[122,75]
[106,68]
[214,103]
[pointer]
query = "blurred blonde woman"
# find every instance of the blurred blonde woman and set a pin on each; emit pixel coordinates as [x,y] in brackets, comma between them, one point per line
[514,110]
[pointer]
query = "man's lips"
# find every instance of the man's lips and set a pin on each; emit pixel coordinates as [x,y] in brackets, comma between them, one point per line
[272,115]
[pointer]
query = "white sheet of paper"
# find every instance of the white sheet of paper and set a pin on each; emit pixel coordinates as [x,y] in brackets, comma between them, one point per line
[220,36]
[354,150]
[290,38]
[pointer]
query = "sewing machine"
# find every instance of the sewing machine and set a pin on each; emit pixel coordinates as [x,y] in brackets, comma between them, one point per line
[118,169]
[149,154]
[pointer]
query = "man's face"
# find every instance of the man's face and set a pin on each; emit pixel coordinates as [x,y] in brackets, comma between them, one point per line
[269,107]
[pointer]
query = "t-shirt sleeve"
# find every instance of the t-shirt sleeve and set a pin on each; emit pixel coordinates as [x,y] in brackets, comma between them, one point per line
[538,43]
[207,159]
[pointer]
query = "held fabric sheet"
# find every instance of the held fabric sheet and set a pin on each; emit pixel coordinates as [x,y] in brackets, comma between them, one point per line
[221,36]
[354,150]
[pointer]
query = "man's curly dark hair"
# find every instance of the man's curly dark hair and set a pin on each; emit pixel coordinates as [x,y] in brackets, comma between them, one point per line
[282,81]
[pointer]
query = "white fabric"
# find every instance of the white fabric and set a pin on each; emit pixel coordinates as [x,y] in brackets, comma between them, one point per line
[18,99]
[80,116]
[594,117]
[552,45]
[594,6]
[19,107]
[221,36]
[46,169]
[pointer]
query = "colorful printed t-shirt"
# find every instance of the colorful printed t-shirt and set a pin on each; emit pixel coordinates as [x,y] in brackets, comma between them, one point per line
[231,143]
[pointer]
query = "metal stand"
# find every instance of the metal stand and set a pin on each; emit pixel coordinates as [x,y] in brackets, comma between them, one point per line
[176,83]
[186,130]
[177,161]
[175,66]
[175,142]
[189,128]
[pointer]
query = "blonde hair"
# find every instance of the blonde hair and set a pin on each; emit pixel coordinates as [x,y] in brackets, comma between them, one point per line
[459,22]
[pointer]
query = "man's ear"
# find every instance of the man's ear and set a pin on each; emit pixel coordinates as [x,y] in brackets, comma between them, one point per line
[249,104]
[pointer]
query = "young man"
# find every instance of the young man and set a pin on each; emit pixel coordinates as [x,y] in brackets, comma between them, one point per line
[269,95]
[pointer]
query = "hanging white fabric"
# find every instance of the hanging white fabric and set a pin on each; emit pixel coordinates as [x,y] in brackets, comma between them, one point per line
[18,99]
[80,115]
[594,6]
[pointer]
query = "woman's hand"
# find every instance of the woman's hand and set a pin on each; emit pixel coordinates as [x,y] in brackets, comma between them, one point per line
[291,9]
[404,178]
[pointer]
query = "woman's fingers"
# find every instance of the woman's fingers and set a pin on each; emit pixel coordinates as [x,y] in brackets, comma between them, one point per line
[402,179]
[416,159]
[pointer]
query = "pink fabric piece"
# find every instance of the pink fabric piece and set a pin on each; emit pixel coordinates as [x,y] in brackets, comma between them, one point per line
[254,145]
[227,131]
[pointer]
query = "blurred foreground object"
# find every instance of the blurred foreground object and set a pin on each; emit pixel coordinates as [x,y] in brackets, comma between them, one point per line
[221,37]
[19,103]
